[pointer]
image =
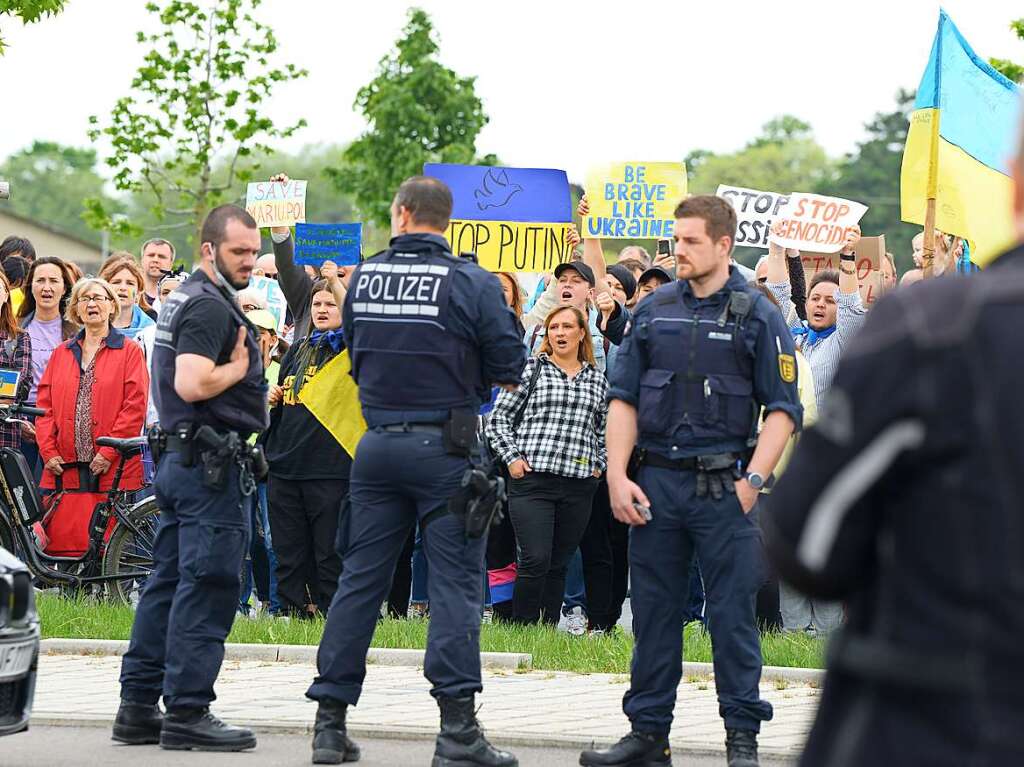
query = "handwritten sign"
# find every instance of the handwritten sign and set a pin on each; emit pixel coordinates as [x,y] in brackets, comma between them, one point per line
[272,292]
[505,246]
[316,243]
[755,211]
[869,253]
[819,223]
[273,203]
[514,219]
[634,200]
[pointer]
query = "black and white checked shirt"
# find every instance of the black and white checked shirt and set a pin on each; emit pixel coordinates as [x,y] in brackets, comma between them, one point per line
[562,428]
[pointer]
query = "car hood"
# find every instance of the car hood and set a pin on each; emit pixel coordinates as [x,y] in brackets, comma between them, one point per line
[9,562]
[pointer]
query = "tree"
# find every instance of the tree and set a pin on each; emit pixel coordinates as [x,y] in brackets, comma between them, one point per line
[50,182]
[871,175]
[196,97]
[418,111]
[1014,71]
[784,158]
[29,11]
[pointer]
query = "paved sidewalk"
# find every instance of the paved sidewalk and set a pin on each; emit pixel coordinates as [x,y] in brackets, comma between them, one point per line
[535,707]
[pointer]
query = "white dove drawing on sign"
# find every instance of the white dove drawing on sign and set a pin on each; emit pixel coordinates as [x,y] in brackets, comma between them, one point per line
[496,191]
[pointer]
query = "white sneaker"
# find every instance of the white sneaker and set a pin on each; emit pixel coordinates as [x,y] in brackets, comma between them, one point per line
[576,622]
[488,615]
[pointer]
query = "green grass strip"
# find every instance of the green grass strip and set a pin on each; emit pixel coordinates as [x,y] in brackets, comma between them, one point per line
[551,650]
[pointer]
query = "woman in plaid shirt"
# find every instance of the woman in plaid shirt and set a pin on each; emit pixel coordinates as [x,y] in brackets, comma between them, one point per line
[555,456]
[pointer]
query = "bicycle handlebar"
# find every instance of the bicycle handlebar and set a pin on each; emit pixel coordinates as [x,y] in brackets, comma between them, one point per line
[16,408]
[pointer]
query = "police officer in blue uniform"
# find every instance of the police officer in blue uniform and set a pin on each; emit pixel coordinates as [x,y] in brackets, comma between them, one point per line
[703,355]
[210,394]
[428,334]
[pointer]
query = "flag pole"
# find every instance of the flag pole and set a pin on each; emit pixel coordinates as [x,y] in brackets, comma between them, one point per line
[928,251]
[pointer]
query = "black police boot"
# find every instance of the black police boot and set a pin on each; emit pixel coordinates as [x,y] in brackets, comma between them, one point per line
[196,729]
[637,749]
[331,744]
[741,748]
[461,742]
[137,723]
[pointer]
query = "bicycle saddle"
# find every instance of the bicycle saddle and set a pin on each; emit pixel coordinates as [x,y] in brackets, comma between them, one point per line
[126,446]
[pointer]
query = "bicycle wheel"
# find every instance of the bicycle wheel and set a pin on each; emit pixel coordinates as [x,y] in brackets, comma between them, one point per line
[7,535]
[130,553]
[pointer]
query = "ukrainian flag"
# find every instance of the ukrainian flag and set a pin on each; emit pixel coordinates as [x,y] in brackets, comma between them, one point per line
[962,135]
[9,383]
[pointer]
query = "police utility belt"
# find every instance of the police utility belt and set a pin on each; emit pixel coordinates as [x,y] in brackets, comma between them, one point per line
[215,451]
[716,473]
[482,494]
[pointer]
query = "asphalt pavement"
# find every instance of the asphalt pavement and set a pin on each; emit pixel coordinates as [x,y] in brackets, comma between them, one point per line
[76,746]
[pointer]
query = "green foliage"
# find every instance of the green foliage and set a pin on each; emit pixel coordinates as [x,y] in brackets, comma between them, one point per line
[198,95]
[418,111]
[784,158]
[29,11]
[871,175]
[50,181]
[1013,71]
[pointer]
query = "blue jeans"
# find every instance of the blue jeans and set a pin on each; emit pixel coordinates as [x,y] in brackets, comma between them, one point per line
[575,590]
[420,570]
[261,556]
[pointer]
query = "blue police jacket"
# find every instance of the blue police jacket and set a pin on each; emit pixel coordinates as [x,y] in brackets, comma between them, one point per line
[242,407]
[428,333]
[698,373]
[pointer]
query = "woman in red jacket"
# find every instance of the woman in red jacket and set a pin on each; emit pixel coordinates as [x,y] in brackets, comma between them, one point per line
[95,385]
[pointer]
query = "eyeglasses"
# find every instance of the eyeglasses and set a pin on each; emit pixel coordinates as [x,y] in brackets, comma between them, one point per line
[84,300]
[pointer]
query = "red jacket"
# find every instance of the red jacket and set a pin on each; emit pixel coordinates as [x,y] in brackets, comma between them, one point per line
[119,399]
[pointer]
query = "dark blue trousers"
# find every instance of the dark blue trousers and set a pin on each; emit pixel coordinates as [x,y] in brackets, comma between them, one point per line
[729,546]
[397,479]
[189,602]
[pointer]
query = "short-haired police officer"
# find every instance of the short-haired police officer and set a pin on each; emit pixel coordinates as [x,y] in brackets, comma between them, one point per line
[703,355]
[428,334]
[210,394]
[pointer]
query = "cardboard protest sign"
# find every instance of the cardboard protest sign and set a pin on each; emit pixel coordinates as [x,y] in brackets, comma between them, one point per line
[755,211]
[273,203]
[316,243]
[869,251]
[634,200]
[514,219]
[816,222]
[274,296]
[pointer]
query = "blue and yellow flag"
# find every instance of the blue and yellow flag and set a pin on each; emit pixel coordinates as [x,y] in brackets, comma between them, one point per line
[962,133]
[333,399]
[9,383]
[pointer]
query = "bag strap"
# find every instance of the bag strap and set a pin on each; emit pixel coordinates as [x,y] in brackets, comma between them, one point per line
[521,413]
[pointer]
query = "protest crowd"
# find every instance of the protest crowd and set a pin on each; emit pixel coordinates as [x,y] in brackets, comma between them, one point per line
[558,555]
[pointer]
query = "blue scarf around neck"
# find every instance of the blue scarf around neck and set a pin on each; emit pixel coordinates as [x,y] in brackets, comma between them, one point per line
[332,338]
[812,335]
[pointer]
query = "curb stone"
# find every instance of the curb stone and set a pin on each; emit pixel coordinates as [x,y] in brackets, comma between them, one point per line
[397,657]
[510,738]
[284,653]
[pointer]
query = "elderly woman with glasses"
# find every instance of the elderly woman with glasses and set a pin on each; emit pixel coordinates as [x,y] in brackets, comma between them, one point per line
[95,385]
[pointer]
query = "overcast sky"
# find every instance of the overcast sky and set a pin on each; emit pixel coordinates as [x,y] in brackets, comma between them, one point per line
[564,83]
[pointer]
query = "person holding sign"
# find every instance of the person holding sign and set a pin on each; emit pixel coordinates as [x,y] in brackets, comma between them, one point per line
[309,469]
[835,311]
[702,355]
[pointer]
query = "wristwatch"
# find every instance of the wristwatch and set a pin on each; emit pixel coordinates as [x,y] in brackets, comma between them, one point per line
[756,480]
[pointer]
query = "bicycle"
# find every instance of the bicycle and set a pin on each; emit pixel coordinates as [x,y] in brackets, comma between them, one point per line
[122,532]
